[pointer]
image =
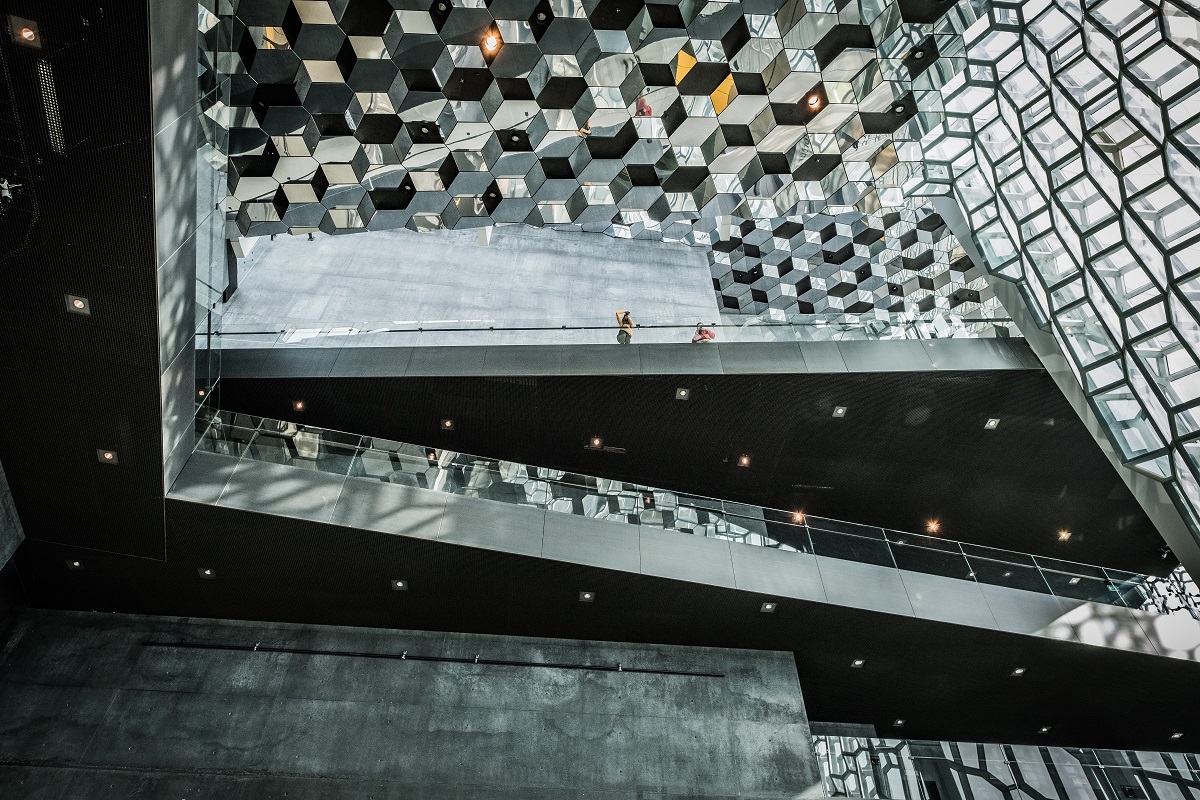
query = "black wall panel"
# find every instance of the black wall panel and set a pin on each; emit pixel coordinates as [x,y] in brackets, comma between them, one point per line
[911,447]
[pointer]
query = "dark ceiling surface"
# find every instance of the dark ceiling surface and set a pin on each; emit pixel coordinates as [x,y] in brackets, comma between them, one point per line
[949,682]
[911,447]
[78,136]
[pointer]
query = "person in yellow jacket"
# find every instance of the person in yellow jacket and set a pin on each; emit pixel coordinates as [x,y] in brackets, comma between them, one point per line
[626,323]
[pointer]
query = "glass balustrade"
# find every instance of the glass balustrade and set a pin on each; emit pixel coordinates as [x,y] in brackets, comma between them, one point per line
[437,469]
[727,328]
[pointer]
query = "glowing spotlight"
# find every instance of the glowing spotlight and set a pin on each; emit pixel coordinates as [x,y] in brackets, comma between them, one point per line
[798,517]
[1064,535]
[814,101]
[298,405]
[933,526]
[491,42]
[743,461]
[28,34]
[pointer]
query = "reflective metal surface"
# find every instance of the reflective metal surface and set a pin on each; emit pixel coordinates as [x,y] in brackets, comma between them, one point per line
[781,136]
[904,769]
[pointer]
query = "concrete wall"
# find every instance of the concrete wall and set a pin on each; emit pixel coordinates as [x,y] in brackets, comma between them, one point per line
[11,534]
[88,711]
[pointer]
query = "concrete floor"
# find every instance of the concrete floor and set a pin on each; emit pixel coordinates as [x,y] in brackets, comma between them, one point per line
[524,277]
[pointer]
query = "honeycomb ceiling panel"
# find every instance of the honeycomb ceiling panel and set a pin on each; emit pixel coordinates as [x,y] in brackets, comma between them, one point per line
[780,136]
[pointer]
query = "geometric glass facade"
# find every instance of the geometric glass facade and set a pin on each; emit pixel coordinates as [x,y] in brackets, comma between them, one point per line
[797,142]
[1072,144]
[782,137]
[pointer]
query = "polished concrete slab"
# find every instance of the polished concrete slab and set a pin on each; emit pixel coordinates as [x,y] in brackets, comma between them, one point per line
[522,277]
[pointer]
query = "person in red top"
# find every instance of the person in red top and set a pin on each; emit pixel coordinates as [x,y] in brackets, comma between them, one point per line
[703,334]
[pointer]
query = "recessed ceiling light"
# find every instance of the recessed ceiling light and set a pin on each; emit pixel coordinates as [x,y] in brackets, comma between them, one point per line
[200,393]
[858,663]
[814,100]
[933,526]
[682,393]
[399,585]
[898,723]
[1018,672]
[79,305]
[1064,535]
[1176,735]
[491,42]
[899,108]
[1074,581]
[431,456]
[798,517]
[28,34]
[298,405]
[447,424]
[648,501]
[595,442]
[1045,729]
[839,411]
[1007,575]
[207,572]
[74,564]
[743,460]
[991,424]
[767,608]
[107,457]
[587,597]
[918,54]
[541,16]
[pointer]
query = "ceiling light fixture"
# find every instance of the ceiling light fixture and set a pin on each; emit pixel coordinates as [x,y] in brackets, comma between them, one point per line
[814,100]
[78,305]
[298,405]
[28,34]
[682,394]
[516,138]
[399,585]
[1045,729]
[1018,672]
[431,456]
[1064,535]
[200,393]
[743,460]
[899,108]
[207,573]
[491,42]
[933,526]
[898,723]
[107,457]
[767,608]
[858,663]
[918,54]
[839,411]
[1073,581]
[1007,575]
[991,424]
[595,442]
[1176,735]
[798,517]
[447,424]
[541,16]
[587,597]
[72,564]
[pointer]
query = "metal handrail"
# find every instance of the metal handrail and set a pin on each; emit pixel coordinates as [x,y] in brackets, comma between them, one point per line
[354,455]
